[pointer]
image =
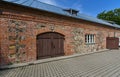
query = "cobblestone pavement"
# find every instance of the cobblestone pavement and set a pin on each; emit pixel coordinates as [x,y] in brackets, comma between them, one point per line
[104,64]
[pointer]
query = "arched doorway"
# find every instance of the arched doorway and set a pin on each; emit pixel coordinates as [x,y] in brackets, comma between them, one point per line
[50,44]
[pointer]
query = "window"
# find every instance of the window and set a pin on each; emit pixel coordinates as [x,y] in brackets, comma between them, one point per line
[90,39]
[72,11]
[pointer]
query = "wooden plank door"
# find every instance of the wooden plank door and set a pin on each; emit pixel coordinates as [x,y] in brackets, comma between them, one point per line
[50,45]
[112,43]
[58,46]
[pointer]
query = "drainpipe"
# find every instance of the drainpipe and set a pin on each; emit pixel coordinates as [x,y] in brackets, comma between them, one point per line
[115,32]
[0,42]
[0,53]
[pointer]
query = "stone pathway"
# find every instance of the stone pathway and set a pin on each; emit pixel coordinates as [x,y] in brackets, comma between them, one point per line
[104,64]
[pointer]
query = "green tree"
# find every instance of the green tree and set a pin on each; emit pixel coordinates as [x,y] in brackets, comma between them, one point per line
[112,15]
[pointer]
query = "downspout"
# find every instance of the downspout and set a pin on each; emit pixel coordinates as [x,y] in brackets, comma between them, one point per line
[0,40]
[115,32]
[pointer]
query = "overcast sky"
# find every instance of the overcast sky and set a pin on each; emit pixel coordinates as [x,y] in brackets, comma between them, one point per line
[89,7]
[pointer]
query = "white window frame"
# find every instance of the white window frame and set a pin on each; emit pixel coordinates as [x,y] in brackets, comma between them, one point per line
[89,38]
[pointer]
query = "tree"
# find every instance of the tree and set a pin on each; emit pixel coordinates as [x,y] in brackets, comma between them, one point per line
[112,15]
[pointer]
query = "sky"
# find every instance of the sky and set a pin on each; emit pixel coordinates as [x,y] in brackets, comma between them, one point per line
[88,7]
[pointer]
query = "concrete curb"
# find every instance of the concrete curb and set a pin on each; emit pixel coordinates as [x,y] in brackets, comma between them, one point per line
[48,60]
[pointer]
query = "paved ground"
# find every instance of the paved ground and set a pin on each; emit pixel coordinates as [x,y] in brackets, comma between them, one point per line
[104,64]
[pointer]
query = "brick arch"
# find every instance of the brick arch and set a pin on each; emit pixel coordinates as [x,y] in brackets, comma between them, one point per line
[45,31]
[51,32]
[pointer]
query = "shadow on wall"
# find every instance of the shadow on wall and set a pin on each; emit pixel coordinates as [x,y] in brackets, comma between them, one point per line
[1,60]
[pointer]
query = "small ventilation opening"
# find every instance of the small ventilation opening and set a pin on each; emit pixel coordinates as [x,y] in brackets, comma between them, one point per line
[1,11]
[72,11]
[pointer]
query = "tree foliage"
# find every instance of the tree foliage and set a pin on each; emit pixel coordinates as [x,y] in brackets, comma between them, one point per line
[112,15]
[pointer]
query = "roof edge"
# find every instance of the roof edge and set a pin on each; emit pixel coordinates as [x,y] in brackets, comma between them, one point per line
[113,26]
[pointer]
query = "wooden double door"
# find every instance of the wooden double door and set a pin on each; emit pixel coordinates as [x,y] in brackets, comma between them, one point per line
[50,44]
[112,43]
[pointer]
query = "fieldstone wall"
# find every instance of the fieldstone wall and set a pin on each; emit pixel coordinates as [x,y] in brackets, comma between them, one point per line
[79,41]
[18,43]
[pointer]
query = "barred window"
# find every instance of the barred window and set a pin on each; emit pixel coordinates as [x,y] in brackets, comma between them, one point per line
[89,38]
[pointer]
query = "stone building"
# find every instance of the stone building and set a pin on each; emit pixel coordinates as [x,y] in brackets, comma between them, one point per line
[31,31]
